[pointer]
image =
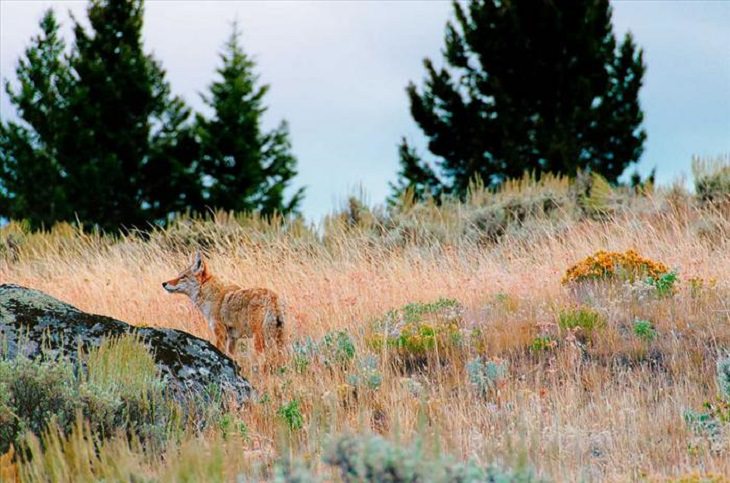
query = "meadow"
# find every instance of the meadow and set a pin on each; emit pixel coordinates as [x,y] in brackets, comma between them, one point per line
[509,371]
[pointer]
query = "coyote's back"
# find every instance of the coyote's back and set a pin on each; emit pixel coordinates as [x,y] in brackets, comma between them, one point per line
[255,312]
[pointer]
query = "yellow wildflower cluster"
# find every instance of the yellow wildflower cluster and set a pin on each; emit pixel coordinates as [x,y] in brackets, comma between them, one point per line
[604,265]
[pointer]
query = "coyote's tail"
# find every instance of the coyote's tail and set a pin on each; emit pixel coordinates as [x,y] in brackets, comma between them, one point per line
[279,322]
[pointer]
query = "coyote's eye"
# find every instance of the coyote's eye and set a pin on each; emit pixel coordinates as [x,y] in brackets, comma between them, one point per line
[174,282]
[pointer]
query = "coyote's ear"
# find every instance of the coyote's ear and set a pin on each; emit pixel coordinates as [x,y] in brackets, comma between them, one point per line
[198,263]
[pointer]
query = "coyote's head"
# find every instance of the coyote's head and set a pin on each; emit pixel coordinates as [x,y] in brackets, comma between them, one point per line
[190,280]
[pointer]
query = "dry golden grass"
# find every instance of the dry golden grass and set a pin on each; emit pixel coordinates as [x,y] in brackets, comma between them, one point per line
[606,414]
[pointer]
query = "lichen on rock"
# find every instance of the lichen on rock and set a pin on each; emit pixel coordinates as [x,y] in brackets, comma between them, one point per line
[31,320]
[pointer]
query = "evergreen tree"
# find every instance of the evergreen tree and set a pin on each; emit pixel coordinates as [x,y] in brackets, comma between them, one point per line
[169,177]
[131,169]
[31,176]
[414,175]
[102,139]
[243,168]
[529,86]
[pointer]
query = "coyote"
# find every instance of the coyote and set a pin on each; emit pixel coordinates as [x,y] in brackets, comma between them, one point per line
[231,311]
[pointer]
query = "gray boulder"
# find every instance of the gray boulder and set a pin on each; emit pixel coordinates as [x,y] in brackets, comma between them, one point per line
[30,319]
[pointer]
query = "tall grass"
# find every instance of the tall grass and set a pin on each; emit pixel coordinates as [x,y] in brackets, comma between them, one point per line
[605,408]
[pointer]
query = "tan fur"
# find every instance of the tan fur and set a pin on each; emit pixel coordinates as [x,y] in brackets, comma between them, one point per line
[232,312]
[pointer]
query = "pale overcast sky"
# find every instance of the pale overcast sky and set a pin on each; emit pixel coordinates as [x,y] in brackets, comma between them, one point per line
[338,71]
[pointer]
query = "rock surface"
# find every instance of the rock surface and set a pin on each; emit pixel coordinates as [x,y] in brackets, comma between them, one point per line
[30,318]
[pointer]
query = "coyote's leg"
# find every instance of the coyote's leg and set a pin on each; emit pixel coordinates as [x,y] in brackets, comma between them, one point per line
[221,338]
[258,341]
[257,321]
[231,346]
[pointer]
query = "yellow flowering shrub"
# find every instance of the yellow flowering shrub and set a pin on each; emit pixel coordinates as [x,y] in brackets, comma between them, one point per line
[606,265]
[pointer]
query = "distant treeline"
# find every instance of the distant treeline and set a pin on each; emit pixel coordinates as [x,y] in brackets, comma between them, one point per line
[101,138]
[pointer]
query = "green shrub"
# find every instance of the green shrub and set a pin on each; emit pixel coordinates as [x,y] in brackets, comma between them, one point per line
[287,470]
[123,388]
[703,423]
[32,393]
[304,352]
[291,414]
[374,459]
[723,378]
[542,343]
[336,348]
[711,422]
[229,423]
[418,330]
[414,387]
[587,319]
[712,179]
[484,375]
[117,387]
[367,374]
[664,284]
[644,330]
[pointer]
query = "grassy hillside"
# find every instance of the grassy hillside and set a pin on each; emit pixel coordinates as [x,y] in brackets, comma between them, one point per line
[446,330]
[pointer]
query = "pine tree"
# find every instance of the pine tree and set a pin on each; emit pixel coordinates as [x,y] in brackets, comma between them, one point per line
[169,178]
[132,167]
[243,168]
[102,139]
[31,176]
[414,175]
[529,86]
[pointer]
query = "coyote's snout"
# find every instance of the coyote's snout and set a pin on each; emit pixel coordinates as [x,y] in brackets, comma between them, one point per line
[231,311]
